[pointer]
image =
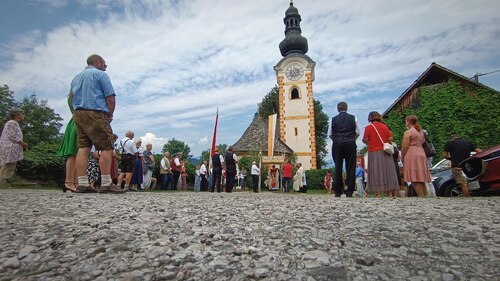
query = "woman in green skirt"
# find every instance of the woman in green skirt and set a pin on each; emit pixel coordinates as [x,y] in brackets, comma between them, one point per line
[68,149]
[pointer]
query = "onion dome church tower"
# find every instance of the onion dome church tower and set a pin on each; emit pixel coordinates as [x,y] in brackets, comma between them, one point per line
[295,77]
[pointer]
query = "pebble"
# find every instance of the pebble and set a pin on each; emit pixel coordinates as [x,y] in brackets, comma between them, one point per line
[242,235]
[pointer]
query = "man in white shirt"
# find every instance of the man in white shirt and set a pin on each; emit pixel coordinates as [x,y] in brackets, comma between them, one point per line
[255,176]
[128,152]
[203,175]
[167,180]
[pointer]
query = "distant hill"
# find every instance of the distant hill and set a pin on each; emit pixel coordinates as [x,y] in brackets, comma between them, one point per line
[195,160]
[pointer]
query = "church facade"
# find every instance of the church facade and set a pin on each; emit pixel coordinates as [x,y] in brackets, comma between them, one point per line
[294,129]
[295,77]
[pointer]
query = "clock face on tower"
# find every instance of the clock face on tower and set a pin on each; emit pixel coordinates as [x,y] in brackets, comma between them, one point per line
[294,71]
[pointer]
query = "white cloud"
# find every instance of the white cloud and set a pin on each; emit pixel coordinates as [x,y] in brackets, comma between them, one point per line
[203,140]
[157,142]
[173,63]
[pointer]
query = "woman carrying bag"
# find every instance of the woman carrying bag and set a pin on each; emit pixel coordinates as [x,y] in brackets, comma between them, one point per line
[381,174]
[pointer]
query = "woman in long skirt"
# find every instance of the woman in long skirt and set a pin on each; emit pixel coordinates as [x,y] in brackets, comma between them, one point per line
[197,179]
[381,174]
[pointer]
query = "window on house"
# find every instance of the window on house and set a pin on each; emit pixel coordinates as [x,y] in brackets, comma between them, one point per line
[296,131]
[295,94]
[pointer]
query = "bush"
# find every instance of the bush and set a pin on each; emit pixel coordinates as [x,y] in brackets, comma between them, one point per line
[41,163]
[315,179]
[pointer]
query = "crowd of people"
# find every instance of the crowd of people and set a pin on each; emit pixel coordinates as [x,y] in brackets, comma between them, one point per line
[382,172]
[92,162]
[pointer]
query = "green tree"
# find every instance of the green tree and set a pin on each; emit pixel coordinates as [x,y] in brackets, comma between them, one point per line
[222,148]
[205,155]
[270,105]
[174,146]
[7,102]
[321,125]
[41,123]
[470,111]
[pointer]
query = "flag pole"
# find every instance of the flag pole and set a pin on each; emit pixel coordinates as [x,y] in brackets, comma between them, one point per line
[214,138]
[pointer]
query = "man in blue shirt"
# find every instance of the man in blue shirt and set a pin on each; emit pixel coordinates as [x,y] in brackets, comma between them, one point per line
[94,104]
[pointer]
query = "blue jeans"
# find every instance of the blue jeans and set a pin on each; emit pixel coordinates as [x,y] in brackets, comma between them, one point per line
[287,183]
[167,181]
[359,186]
[241,182]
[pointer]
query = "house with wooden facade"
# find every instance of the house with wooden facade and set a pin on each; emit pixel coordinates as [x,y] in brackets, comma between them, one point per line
[434,75]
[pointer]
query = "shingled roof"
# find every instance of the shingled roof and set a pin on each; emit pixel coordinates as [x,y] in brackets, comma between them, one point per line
[255,138]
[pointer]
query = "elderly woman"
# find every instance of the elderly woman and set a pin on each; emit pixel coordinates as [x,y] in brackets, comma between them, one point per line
[381,173]
[11,146]
[415,165]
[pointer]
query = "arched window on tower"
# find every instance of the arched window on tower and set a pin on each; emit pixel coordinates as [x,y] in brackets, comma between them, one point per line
[295,94]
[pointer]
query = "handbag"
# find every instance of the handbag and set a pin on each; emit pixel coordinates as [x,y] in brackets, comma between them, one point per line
[388,148]
[429,149]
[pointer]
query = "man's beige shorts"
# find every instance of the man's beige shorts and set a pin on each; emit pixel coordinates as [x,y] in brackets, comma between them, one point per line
[459,176]
[93,128]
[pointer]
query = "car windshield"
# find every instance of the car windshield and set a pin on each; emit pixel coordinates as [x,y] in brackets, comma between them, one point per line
[442,165]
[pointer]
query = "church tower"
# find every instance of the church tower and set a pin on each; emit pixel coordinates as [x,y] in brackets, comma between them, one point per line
[295,75]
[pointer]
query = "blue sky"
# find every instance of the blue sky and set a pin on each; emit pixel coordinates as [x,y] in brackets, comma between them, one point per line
[173,63]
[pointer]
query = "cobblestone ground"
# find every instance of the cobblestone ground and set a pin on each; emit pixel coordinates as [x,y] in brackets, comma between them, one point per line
[49,235]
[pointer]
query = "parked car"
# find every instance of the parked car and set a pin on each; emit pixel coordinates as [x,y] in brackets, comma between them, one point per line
[484,166]
[480,184]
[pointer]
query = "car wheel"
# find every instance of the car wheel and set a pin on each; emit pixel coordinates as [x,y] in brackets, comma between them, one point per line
[453,190]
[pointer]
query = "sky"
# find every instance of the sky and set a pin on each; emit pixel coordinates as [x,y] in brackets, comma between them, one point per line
[173,63]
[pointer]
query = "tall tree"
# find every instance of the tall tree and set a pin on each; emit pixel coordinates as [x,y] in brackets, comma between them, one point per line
[174,146]
[222,148]
[321,125]
[7,102]
[270,105]
[205,155]
[41,124]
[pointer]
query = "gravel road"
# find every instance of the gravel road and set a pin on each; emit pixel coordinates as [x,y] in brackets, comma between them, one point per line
[49,235]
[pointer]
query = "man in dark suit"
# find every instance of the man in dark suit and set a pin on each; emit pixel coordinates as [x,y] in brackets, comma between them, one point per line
[343,132]
[217,161]
[231,161]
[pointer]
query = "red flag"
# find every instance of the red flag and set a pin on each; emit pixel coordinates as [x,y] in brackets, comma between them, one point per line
[214,137]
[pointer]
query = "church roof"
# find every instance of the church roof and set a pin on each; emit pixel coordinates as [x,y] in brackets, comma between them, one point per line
[255,138]
[294,42]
